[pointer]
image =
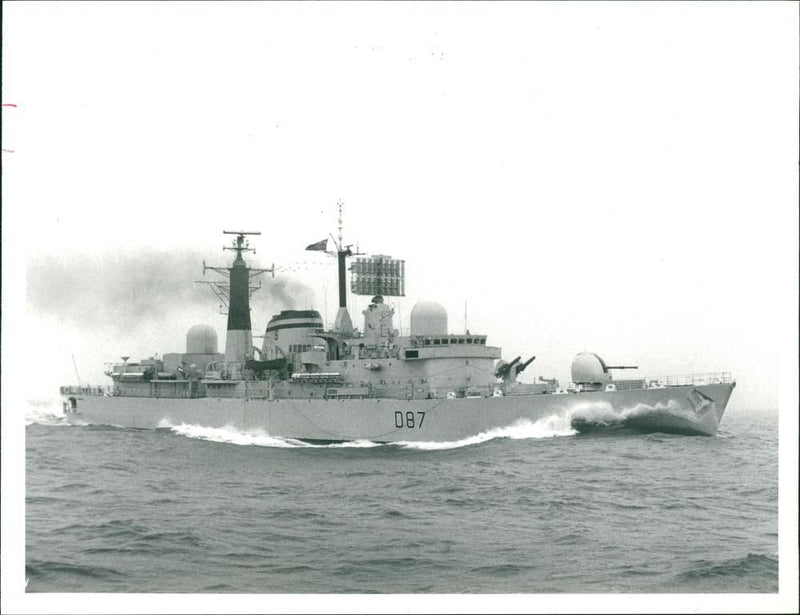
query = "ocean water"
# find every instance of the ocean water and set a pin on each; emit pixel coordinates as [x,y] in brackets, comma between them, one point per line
[530,509]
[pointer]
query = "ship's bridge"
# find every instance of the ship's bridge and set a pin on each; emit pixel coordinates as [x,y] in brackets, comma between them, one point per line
[446,340]
[446,346]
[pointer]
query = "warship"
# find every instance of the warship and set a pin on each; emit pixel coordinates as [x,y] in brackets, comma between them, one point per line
[313,384]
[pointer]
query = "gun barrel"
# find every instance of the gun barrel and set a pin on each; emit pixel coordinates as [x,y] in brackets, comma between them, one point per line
[505,368]
[622,367]
[525,364]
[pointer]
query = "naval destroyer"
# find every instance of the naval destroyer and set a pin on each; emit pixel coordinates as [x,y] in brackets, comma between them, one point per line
[343,384]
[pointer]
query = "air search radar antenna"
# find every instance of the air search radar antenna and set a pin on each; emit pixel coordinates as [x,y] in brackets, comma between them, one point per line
[376,275]
[240,244]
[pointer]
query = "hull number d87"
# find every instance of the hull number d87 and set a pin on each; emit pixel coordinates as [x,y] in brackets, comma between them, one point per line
[409,420]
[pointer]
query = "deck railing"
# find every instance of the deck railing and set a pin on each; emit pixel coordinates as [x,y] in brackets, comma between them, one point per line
[86,390]
[692,379]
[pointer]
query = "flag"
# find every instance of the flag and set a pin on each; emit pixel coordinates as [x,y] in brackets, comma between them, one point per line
[320,245]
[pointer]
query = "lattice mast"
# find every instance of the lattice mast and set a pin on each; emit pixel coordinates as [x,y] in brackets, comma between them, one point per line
[375,276]
[343,324]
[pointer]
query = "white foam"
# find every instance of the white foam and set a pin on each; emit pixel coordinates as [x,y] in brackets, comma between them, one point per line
[523,429]
[231,435]
[602,411]
[228,435]
[45,412]
[350,444]
[549,427]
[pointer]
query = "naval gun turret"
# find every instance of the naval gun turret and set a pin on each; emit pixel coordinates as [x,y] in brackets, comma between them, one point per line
[591,373]
[508,372]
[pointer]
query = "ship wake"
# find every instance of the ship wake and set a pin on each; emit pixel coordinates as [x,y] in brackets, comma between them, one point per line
[258,437]
[524,429]
[548,427]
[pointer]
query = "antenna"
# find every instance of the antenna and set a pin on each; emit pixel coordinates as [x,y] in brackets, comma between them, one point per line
[325,304]
[341,205]
[399,320]
[222,287]
[77,375]
[240,244]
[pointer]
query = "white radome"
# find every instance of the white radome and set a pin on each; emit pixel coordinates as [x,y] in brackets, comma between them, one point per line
[428,318]
[201,339]
[588,368]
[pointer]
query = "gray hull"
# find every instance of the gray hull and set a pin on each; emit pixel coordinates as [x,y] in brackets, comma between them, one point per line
[692,409]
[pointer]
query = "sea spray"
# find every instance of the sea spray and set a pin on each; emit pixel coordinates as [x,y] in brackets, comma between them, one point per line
[45,412]
[602,412]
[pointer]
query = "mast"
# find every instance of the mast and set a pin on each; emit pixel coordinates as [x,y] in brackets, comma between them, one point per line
[236,295]
[239,275]
[343,323]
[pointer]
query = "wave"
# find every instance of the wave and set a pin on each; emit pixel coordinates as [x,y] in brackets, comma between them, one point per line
[746,573]
[41,568]
[548,427]
[670,417]
[45,412]
[603,411]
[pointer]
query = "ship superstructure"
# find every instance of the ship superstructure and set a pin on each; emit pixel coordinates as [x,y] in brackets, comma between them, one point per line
[310,383]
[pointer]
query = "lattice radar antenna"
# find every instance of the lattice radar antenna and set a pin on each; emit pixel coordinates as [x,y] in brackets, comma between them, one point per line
[378,275]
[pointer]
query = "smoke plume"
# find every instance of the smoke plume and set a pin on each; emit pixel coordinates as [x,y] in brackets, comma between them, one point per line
[124,291]
[288,294]
[118,290]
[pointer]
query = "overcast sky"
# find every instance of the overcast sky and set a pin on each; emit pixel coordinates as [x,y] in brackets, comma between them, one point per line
[614,178]
[617,178]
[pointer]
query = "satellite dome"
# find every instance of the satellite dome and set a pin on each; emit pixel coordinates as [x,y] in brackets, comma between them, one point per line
[588,368]
[428,318]
[201,339]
